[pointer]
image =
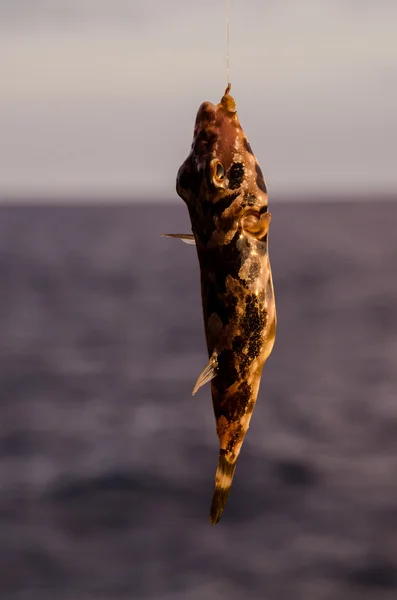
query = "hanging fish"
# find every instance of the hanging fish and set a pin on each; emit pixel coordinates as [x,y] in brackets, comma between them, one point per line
[222,184]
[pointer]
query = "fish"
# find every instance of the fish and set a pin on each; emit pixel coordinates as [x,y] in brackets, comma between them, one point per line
[224,189]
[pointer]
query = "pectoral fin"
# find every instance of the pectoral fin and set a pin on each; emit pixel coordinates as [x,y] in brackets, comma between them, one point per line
[208,373]
[188,238]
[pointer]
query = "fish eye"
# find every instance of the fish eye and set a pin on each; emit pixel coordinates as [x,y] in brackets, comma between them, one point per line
[219,171]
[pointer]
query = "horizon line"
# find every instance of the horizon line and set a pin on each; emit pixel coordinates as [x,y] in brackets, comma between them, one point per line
[138,199]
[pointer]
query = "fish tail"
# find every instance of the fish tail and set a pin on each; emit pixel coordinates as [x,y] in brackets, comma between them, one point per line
[223,483]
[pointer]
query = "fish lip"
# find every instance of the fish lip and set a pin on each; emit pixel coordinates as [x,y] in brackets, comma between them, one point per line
[227,101]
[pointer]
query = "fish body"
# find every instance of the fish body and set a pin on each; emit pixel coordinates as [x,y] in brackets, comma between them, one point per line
[223,187]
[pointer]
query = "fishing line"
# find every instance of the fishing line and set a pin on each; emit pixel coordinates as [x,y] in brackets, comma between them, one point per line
[228,42]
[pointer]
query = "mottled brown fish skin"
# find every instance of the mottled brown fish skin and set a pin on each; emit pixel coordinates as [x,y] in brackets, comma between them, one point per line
[225,192]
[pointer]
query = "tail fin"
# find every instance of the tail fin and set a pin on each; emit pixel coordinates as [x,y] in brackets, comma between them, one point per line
[223,483]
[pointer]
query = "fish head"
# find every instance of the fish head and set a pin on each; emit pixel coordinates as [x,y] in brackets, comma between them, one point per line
[221,178]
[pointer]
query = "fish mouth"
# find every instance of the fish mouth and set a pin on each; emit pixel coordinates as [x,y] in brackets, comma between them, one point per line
[227,101]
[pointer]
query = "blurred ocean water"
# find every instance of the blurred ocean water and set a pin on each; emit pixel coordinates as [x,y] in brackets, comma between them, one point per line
[107,462]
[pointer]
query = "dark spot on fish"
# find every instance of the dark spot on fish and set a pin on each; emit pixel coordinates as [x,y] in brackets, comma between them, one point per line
[247,146]
[206,216]
[241,398]
[260,182]
[244,363]
[226,467]
[217,301]
[217,208]
[213,304]
[227,373]
[236,175]
[254,270]
[203,224]
[253,324]
[237,437]
[238,344]
[244,390]
[234,255]
[231,302]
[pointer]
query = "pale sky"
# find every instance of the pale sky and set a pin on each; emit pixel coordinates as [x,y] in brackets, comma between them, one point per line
[98,97]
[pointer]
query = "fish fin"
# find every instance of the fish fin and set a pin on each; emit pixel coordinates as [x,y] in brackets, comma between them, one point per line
[223,483]
[188,238]
[208,373]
